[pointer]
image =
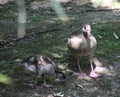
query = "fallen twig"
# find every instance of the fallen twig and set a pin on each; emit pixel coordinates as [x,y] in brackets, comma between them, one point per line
[34,34]
[115,35]
[83,11]
[6,44]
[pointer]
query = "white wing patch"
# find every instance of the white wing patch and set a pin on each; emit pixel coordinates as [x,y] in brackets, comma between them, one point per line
[30,67]
[75,42]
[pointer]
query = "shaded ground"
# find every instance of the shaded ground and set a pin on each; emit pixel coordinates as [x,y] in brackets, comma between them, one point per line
[53,44]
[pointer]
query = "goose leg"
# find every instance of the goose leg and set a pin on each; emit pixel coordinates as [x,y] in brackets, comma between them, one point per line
[36,74]
[35,80]
[44,83]
[93,74]
[81,73]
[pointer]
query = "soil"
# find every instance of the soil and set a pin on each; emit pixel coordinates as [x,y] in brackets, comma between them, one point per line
[40,17]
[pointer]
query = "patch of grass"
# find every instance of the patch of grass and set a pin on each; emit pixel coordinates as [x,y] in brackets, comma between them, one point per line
[55,45]
[108,45]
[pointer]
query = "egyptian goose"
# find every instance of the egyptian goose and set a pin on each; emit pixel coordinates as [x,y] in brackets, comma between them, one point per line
[41,65]
[83,44]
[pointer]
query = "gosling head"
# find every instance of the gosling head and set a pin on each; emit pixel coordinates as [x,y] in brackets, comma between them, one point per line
[87,29]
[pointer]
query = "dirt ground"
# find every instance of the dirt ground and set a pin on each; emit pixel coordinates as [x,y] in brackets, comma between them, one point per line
[40,17]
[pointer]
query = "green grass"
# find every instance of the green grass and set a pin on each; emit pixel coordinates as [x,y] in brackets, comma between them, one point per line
[53,44]
[108,45]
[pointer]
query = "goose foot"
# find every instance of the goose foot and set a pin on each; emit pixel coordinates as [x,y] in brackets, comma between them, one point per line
[47,85]
[93,74]
[80,74]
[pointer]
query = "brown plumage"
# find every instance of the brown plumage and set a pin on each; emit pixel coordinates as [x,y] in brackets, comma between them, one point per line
[41,65]
[83,44]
